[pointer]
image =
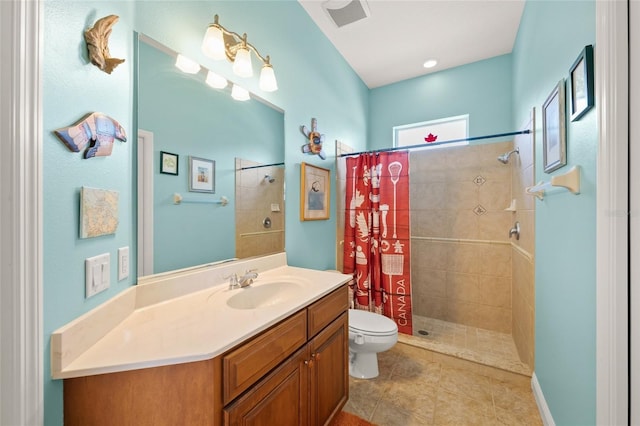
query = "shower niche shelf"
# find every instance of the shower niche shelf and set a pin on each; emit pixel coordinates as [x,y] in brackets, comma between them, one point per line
[569,181]
[513,207]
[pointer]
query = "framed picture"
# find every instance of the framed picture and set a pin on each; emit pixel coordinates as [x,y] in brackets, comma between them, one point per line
[314,192]
[553,130]
[168,163]
[581,82]
[202,175]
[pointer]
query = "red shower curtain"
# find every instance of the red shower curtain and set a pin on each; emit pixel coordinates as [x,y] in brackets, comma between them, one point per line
[376,235]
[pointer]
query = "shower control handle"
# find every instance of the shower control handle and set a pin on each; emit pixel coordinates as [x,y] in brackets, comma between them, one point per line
[515,231]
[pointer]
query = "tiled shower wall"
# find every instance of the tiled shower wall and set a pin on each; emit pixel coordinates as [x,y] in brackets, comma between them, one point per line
[461,253]
[522,253]
[465,268]
[257,199]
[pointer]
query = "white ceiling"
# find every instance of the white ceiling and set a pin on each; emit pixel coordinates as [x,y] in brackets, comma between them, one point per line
[398,36]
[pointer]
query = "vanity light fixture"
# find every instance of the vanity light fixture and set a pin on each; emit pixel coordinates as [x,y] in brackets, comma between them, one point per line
[187,65]
[216,81]
[239,94]
[219,43]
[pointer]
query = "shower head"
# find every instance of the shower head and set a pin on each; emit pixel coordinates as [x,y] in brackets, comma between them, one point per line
[269,178]
[504,158]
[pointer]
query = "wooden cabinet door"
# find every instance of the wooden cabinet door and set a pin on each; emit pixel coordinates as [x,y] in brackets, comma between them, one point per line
[329,381]
[281,398]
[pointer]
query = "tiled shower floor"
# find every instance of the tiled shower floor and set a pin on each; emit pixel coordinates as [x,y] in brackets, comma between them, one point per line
[474,344]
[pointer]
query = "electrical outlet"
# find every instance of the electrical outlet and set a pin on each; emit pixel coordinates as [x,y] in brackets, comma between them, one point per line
[123,263]
[97,274]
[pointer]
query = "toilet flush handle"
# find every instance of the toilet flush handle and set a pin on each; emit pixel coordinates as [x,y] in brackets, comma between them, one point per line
[359,340]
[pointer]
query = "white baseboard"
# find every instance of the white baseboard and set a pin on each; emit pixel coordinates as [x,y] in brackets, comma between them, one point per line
[543,408]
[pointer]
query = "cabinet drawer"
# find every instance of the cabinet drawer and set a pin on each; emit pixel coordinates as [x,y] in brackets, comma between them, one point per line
[244,366]
[321,313]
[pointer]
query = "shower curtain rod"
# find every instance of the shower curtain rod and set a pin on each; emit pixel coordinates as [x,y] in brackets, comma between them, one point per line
[475,138]
[261,165]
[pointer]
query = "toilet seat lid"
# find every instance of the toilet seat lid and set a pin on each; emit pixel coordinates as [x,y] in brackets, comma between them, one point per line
[370,323]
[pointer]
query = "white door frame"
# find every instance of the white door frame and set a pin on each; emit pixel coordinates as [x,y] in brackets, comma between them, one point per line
[21,267]
[21,336]
[634,195]
[611,58]
[145,203]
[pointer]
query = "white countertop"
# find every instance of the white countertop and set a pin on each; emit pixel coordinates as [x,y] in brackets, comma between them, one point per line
[182,327]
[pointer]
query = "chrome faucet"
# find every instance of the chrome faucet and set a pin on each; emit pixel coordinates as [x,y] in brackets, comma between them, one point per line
[248,277]
[244,281]
[233,281]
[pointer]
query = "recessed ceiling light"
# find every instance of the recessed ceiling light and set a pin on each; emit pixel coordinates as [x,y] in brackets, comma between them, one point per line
[430,63]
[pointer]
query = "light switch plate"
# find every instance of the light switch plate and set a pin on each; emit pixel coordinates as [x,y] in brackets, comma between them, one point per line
[97,274]
[123,263]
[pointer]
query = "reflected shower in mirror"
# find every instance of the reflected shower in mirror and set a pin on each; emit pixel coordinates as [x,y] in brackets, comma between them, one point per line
[178,113]
[259,208]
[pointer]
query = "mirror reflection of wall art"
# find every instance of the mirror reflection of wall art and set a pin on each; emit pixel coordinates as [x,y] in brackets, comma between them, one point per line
[315,189]
[202,175]
[581,81]
[168,163]
[553,130]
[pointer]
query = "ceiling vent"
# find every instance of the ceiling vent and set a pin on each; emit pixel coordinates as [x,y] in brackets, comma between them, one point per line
[345,12]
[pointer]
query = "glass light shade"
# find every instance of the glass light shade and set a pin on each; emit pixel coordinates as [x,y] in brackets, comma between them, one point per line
[242,64]
[216,81]
[268,81]
[239,94]
[213,43]
[187,65]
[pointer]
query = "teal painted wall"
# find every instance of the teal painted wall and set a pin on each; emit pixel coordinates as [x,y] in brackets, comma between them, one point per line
[481,89]
[71,88]
[551,35]
[314,81]
[187,117]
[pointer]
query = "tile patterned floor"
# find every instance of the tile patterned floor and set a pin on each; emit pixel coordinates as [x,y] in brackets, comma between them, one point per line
[470,343]
[421,387]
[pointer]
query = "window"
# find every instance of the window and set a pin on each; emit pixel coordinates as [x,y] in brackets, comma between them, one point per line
[433,132]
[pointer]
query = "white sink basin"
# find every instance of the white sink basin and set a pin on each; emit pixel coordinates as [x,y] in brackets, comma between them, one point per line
[264,295]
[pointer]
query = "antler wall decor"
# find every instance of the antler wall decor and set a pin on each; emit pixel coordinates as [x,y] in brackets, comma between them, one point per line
[97,39]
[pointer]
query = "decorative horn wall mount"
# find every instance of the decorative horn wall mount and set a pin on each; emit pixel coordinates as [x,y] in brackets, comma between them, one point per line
[314,140]
[97,38]
[96,131]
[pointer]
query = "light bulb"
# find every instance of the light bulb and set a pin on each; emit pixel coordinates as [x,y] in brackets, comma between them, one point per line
[239,94]
[268,81]
[213,43]
[216,81]
[187,65]
[242,64]
[430,63]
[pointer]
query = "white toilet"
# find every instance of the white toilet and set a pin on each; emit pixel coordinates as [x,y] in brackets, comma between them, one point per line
[369,334]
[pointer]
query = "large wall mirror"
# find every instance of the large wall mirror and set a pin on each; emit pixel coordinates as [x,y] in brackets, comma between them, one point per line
[213,146]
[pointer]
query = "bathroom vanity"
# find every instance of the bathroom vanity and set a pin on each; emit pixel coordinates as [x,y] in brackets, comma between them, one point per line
[271,360]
